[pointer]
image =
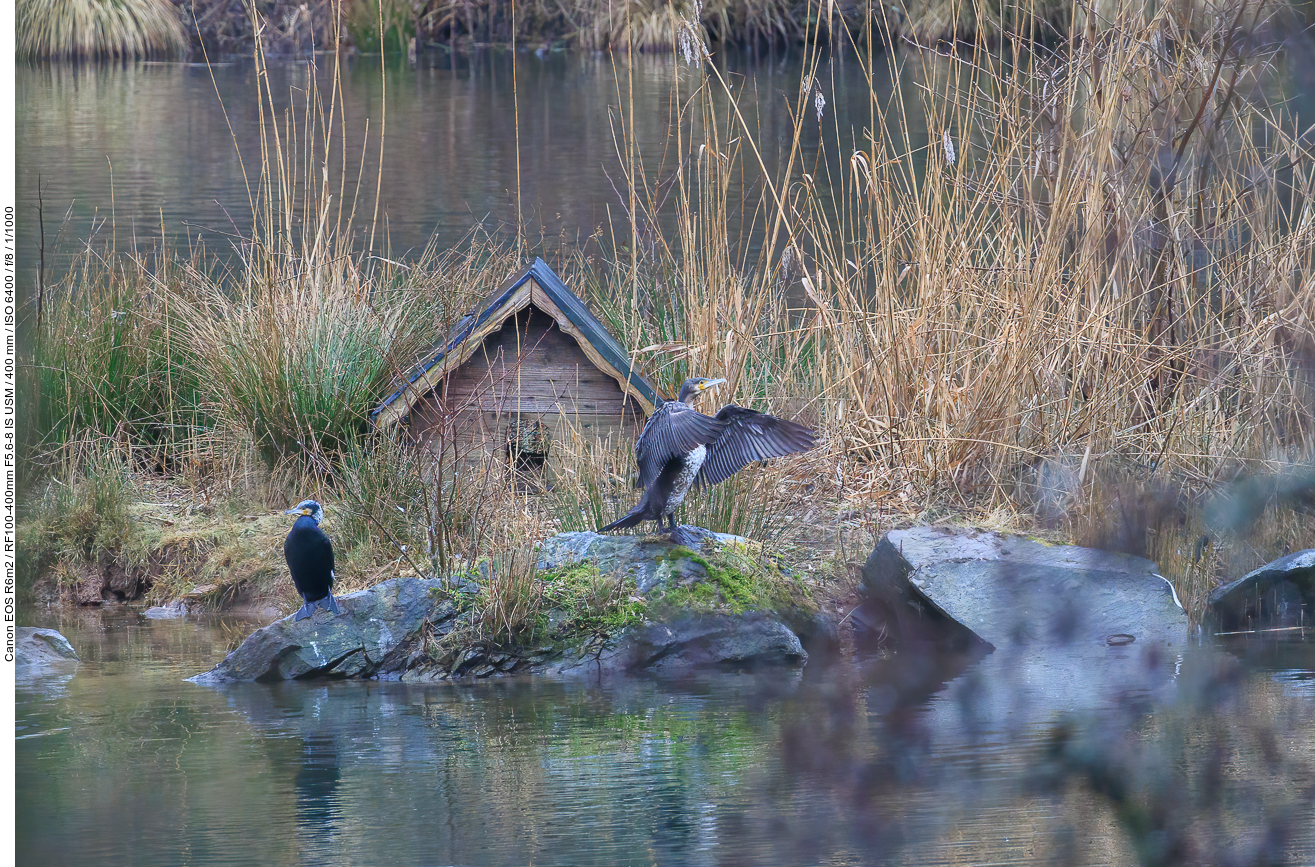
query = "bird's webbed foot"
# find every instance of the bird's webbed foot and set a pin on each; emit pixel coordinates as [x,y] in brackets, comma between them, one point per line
[680,536]
[308,610]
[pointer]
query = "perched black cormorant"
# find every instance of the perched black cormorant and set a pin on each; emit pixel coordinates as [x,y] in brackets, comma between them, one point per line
[681,447]
[310,559]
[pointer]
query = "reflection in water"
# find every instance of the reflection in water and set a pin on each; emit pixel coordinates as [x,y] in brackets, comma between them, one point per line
[449,148]
[318,775]
[878,761]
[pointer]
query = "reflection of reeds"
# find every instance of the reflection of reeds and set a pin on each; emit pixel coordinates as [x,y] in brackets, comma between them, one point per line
[97,29]
[381,24]
[632,25]
[932,21]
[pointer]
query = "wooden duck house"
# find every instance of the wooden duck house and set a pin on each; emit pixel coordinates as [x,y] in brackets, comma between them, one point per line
[530,368]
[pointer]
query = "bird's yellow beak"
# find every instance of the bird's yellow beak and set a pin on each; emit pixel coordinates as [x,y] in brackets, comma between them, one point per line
[703,386]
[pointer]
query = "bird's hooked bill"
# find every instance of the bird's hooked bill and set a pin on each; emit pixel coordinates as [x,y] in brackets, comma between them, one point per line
[711,382]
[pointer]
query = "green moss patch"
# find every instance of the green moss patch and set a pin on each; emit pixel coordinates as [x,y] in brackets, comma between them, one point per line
[735,578]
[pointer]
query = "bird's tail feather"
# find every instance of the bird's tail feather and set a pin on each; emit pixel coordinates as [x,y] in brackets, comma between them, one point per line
[629,519]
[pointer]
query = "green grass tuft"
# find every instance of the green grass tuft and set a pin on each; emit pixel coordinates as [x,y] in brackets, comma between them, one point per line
[83,512]
[104,362]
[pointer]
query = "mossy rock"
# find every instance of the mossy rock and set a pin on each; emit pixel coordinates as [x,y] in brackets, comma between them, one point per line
[728,601]
[606,604]
[726,574]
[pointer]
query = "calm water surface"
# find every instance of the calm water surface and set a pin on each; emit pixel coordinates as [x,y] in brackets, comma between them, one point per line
[878,761]
[863,763]
[139,151]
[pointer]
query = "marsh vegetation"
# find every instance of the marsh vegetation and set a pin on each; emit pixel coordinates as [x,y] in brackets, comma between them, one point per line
[1079,305]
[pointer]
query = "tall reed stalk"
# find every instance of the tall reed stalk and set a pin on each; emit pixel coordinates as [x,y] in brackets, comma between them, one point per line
[1095,259]
[296,345]
[1100,252]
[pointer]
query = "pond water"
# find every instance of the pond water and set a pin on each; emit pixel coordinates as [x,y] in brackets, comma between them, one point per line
[130,153]
[902,760]
[862,762]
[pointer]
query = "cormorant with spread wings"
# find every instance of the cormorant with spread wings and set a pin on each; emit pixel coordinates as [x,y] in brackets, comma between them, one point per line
[681,447]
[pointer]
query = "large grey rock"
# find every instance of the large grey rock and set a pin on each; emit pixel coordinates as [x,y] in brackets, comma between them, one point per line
[1277,595]
[38,652]
[686,639]
[1049,629]
[383,632]
[989,590]
[379,632]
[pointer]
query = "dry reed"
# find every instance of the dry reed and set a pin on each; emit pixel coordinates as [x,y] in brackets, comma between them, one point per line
[1094,265]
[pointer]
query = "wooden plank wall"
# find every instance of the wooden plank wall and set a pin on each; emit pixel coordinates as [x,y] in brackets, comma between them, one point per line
[528,369]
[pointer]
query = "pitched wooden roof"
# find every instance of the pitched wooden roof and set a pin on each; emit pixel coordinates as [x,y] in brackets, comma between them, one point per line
[536,285]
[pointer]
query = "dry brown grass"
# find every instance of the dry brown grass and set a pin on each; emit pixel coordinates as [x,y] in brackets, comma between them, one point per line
[1095,261]
[1094,270]
[98,29]
[1079,302]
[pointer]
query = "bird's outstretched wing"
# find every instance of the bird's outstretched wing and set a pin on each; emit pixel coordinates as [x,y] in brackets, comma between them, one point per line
[674,429]
[750,436]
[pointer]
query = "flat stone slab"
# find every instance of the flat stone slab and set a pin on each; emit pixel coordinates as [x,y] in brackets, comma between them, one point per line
[989,590]
[42,651]
[1278,595]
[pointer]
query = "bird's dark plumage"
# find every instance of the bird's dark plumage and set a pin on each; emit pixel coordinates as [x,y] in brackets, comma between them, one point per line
[681,447]
[310,559]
